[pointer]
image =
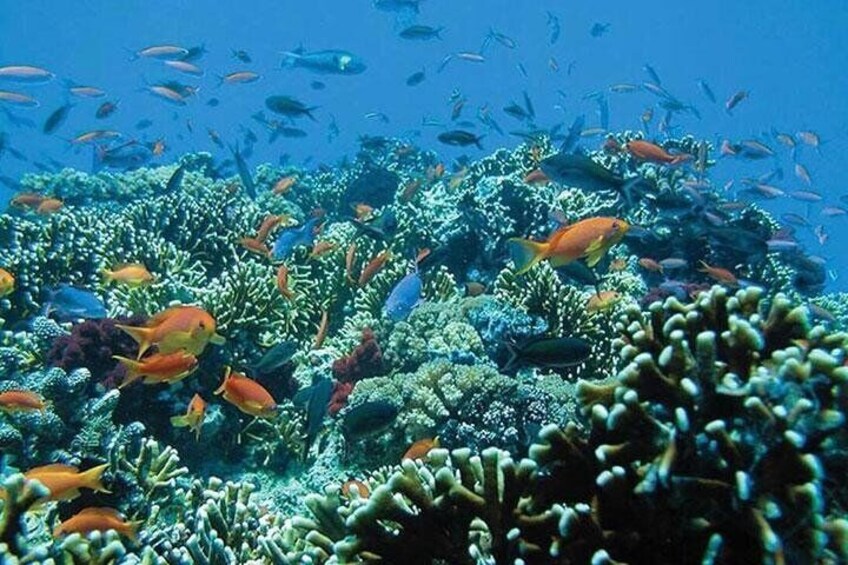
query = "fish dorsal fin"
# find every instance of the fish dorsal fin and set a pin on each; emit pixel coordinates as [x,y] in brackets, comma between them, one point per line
[119,266]
[162,316]
[55,468]
[101,511]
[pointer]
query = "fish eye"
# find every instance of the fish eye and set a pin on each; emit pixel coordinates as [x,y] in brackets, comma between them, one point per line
[202,325]
[615,226]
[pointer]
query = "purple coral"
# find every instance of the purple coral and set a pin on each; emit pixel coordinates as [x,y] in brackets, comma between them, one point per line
[92,344]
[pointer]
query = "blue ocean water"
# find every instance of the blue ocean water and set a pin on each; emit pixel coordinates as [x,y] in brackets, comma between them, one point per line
[788,55]
[237,373]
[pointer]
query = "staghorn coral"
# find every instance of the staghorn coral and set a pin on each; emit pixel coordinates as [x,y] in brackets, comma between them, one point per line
[714,443]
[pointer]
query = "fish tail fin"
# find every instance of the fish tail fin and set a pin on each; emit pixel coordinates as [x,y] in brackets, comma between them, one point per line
[142,337]
[93,478]
[133,370]
[478,140]
[108,276]
[180,421]
[682,158]
[705,268]
[525,253]
[290,57]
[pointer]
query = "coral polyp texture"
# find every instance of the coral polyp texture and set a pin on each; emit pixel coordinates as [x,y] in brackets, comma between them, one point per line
[389,361]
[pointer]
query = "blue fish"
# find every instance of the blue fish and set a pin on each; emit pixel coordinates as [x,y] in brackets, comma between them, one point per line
[405,296]
[68,303]
[292,237]
[331,61]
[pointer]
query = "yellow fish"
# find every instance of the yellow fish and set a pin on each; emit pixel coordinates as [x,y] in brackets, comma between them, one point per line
[7,283]
[181,327]
[130,274]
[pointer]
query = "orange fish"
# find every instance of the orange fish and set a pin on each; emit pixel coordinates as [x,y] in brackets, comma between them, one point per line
[283,282]
[159,367]
[363,211]
[320,248]
[602,301]
[323,327]
[590,238]
[194,416]
[7,283]
[254,246]
[247,395]
[536,176]
[350,259]
[650,265]
[721,275]
[420,448]
[647,151]
[361,488]
[270,222]
[409,191]
[49,205]
[27,200]
[131,274]
[283,186]
[64,481]
[97,519]
[618,265]
[373,267]
[179,327]
[13,401]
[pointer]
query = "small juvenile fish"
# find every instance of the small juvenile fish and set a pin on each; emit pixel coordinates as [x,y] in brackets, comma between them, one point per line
[602,301]
[421,448]
[416,78]
[87,91]
[719,274]
[473,57]
[167,93]
[254,246]
[57,118]
[284,184]
[373,267]
[194,416]
[421,33]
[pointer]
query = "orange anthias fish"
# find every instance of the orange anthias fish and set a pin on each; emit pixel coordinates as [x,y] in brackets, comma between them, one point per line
[618,265]
[194,416]
[270,222]
[373,267]
[361,488]
[590,238]
[27,200]
[650,264]
[7,283]
[159,367]
[130,274]
[323,327]
[602,301]
[97,519]
[647,151]
[180,327]
[721,275]
[284,185]
[283,282]
[254,246]
[64,481]
[363,211]
[247,395]
[49,205]
[13,401]
[320,248]
[421,448]
[350,260]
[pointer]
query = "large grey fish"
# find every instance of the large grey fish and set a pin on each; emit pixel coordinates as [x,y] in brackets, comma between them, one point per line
[330,61]
[460,138]
[275,357]
[244,173]
[580,171]
[127,157]
[314,400]
[57,118]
